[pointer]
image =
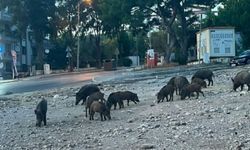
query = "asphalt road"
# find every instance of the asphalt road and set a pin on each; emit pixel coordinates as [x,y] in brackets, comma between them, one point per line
[50,82]
[112,77]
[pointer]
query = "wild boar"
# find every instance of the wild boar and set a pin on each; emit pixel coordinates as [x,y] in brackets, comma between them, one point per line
[241,78]
[187,90]
[204,74]
[100,107]
[129,96]
[85,91]
[119,97]
[93,97]
[171,81]
[113,100]
[199,81]
[40,111]
[164,92]
[179,83]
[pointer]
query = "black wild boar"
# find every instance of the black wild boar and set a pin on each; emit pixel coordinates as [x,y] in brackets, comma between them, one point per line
[199,81]
[112,100]
[204,74]
[119,97]
[100,107]
[179,83]
[187,90]
[93,97]
[241,78]
[171,81]
[129,96]
[85,91]
[164,92]
[40,111]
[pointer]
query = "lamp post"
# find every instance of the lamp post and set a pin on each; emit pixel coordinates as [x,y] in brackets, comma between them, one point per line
[78,36]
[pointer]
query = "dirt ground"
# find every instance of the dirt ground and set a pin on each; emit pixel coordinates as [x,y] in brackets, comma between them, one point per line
[220,120]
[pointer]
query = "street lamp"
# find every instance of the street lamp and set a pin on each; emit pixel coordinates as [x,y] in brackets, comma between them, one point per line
[88,2]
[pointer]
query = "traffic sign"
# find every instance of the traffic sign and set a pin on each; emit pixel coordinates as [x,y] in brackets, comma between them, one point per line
[68,55]
[68,49]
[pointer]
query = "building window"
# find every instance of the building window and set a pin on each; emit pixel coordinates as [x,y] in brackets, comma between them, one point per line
[227,50]
[216,50]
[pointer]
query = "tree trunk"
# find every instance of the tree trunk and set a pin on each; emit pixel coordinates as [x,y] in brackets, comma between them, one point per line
[98,51]
[183,40]
[39,50]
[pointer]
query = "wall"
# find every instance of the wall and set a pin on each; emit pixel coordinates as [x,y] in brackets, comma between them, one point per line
[222,42]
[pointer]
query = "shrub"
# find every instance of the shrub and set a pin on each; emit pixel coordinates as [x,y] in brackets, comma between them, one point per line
[126,62]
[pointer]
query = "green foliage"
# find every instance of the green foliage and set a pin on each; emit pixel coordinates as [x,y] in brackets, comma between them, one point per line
[125,44]
[159,41]
[235,13]
[109,47]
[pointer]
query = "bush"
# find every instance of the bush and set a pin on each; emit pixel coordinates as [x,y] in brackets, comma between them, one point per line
[126,62]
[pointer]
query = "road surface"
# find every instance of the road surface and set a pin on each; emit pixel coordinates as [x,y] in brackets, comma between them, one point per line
[112,77]
[58,81]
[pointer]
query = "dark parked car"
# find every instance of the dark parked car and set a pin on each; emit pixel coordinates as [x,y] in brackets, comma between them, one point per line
[242,59]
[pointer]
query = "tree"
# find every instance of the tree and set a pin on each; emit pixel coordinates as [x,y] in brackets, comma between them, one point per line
[34,13]
[171,14]
[235,13]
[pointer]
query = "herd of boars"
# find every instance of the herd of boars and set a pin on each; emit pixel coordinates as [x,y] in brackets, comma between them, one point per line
[94,100]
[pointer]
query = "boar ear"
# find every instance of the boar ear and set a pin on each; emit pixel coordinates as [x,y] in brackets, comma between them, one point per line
[35,111]
[232,79]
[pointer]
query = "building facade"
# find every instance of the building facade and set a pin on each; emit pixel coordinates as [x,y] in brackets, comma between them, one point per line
[215,44]
[8,42]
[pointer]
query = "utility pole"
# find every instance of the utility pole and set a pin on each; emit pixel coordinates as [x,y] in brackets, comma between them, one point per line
[78,36]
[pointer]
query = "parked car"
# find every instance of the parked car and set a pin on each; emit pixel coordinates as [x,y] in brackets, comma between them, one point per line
[242,59]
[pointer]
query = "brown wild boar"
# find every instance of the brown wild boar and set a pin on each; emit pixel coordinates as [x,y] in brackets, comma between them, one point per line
[100,107]
[204,74]
[241,78]
[164,92]
[93,97]
[189,89]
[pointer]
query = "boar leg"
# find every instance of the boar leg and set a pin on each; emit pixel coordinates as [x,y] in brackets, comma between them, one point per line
[44,120]
[115,105]
[197,93]
[241,87]
[128,102]
[101,116]
[86,112]
[91,116]
[202,93]
[171,97]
